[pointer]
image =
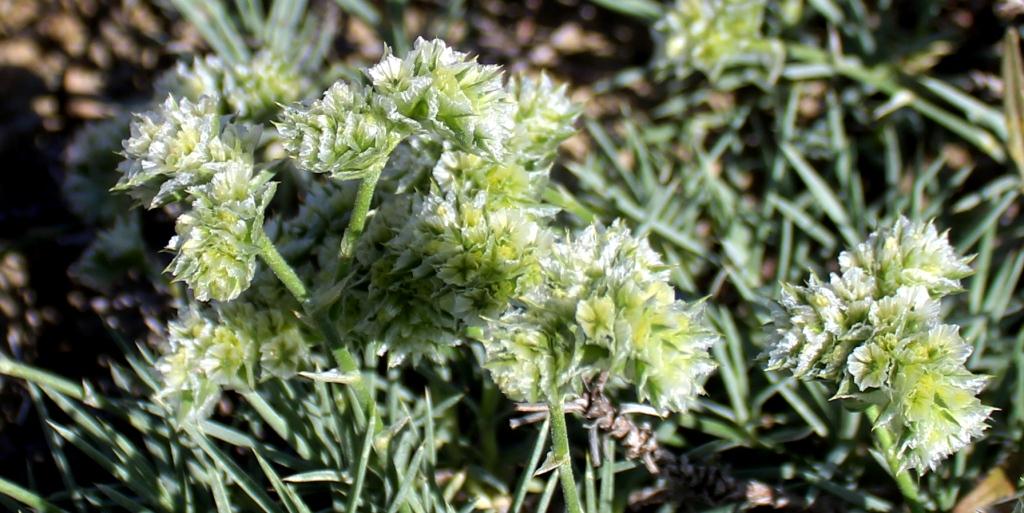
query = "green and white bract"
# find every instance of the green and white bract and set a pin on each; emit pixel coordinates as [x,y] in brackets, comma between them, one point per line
[349,133]
[218,240]
[876,330]
[177,146]
[448,94]
[604,304]
[909,254]
[233,346]
[185,152]
[543,119]
[458,259]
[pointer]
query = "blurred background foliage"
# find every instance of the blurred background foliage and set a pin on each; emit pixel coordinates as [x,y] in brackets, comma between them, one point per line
[750,140]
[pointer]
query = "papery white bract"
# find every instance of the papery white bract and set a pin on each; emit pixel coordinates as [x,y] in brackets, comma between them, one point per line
[450,94]
[228,346]
[178,146]
[544,118]
[909,254]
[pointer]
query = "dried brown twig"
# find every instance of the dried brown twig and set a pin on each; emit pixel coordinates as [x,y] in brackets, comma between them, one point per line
[679,479]
[638,440]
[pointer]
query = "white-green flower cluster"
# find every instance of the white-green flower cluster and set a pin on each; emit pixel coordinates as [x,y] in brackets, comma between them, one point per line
[253,90]
[351,132]
[876,329]
[448,93]
[179,145]
[438,264]
[232,346]
[217,241]
[543,119]
[457,232]
[603,304]
[461,242]
[710,35]
[186,152]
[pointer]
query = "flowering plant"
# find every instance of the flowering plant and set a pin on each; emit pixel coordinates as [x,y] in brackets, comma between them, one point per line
[875,328]
[377,266]
[445,238]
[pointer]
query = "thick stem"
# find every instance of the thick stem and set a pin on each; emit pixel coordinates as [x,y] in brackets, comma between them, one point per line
[560,445]
[904,481]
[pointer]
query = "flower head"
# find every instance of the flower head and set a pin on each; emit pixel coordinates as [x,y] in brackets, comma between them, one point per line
[253,90]
[177,146]
[909,254]
[878,327]
[349,133]
[449,94]
[217,241]
[230,346]
[507,184]
[603,305]
[437,265]
[709,35]
[204,76]
[544,118]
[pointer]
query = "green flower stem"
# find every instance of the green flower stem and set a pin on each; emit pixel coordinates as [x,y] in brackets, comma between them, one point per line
[357,221]
[284,272]
[560,444]
[905,482]
[346,362]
